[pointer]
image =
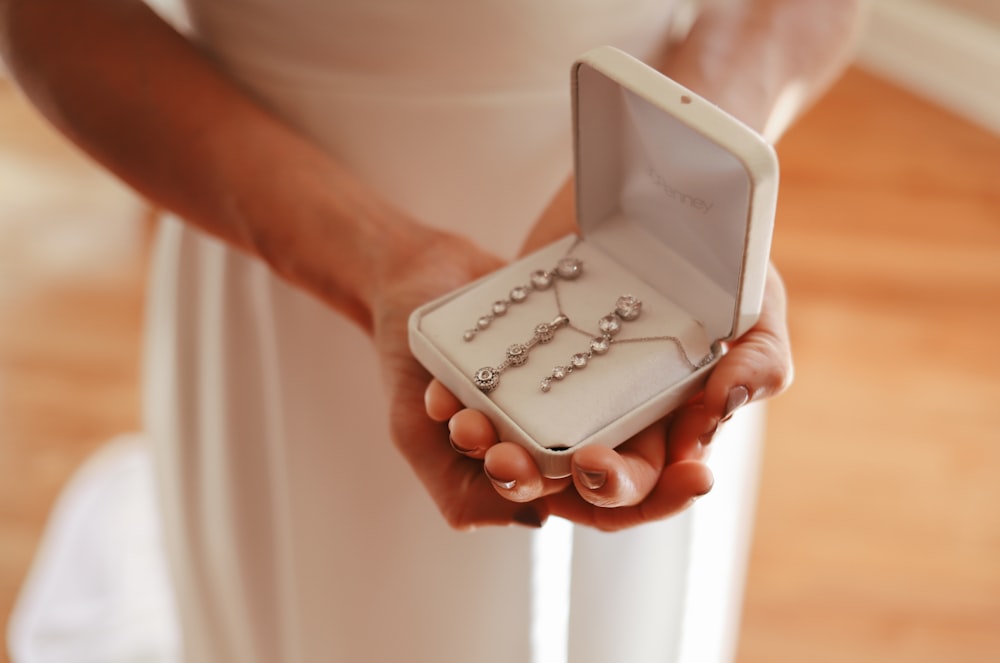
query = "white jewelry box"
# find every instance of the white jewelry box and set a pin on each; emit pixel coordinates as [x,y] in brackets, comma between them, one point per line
[675,206]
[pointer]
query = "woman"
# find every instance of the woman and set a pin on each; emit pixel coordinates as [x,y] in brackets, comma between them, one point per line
[329,166]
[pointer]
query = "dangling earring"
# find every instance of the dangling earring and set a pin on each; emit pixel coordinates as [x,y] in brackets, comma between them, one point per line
[567,269]
[488,377]
[627,308]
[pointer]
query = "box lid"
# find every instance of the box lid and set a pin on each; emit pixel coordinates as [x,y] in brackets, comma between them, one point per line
[675,187]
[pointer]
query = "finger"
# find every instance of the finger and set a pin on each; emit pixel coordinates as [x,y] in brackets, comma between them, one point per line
[478,503]
[463,494]
[623,477]
[759,364]
[440,403]
[461,490]
[515,475]
[471,433]
[679,485]
[691,431]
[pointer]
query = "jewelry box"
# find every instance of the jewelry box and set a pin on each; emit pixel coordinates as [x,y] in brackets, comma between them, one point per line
[675,207]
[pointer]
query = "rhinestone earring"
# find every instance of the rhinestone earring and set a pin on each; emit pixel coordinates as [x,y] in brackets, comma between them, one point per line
[627,308]
[488,377]
[567,269]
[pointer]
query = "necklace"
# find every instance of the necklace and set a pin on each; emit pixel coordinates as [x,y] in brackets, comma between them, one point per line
[628,308]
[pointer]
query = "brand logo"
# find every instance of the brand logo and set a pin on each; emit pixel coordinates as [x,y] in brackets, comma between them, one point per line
[695,203]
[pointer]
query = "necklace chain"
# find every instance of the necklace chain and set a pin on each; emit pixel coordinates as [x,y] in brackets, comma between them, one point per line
[487,378]
[642,339]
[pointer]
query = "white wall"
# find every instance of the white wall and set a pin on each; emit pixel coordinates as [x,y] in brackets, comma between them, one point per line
[941,50]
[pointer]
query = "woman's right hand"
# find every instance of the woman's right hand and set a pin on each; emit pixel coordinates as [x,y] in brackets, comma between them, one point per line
[465,496]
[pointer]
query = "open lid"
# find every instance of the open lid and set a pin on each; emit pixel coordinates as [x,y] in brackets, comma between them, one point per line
[674,187]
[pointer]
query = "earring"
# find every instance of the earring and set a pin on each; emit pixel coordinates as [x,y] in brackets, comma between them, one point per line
[627,308]
[488,377]
[567,268]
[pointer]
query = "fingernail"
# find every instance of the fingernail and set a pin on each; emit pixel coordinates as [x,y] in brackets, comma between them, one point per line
[706,437]
[738,397]
[461,450]
[528,517]
[592,479]
[499,483]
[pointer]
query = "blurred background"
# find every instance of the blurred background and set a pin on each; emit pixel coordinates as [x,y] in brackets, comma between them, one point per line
[878,524]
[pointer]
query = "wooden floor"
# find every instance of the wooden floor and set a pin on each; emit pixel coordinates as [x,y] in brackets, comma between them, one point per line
[878,529]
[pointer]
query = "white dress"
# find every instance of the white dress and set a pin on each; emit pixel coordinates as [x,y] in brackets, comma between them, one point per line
[294,531]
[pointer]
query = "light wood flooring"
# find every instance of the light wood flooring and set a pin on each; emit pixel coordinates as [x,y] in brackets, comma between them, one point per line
[878,527]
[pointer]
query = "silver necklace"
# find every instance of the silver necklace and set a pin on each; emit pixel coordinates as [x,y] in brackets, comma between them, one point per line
[627,309]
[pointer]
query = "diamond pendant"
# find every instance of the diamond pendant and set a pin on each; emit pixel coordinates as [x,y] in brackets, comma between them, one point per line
[627,308]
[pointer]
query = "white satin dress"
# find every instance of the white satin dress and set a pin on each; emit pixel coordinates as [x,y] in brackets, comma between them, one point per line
[294,532]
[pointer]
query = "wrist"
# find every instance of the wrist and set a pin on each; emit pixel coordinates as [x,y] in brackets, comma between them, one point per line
[764,62]
[320,229]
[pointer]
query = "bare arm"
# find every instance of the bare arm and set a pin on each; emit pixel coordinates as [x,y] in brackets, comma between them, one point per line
[763,61]
[156,111]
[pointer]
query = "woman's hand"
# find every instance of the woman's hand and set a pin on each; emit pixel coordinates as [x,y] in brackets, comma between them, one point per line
[656,473]
[465,496]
